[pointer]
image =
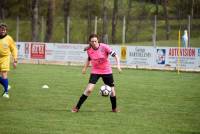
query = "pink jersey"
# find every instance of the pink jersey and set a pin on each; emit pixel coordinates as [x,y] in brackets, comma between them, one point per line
[99,59]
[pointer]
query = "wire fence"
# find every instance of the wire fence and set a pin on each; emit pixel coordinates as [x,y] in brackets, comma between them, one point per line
[142,30]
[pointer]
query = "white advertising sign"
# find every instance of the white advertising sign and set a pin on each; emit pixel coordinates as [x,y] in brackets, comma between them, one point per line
[136,56]
[65,52]
[140,56]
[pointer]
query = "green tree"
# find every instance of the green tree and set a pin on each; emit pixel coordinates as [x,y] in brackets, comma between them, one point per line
[105,23]
[2,9]
[34,20]
[50,18]
[114,21]
[67,4]
[165,7]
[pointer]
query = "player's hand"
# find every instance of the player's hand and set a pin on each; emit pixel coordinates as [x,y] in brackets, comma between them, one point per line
[83,71]
[15,65]
[119,69]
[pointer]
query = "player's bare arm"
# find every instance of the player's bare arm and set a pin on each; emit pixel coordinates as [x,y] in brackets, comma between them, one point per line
[113,54]
[87,63]
[118,63]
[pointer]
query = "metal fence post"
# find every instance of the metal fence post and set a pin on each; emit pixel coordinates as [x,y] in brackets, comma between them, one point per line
[95,25]
[189,31]
[155,30]
[17,29]
[42,29]
[124,30]
[68,28]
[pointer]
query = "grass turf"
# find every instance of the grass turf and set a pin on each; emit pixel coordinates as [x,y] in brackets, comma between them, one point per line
[151,102]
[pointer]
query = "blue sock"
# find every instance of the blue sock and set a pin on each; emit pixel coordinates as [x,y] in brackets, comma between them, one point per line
[4,82]
[1,81]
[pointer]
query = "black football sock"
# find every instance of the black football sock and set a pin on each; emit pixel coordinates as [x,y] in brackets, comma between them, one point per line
[113,101]
[81,100]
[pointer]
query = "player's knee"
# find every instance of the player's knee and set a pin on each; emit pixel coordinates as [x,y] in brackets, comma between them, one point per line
[87,92]
[113,93]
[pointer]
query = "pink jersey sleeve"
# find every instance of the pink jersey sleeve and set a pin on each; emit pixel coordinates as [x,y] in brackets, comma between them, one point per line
[108,49]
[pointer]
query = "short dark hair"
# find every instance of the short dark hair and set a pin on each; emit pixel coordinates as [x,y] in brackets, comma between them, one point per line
[3,25]
[92,36]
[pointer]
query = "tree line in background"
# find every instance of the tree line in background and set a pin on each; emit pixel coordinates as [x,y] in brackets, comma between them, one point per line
[108,10]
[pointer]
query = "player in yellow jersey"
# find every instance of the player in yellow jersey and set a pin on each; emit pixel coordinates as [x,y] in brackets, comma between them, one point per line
[7,47]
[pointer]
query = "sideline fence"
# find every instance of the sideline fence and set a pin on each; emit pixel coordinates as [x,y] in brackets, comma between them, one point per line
[143,29]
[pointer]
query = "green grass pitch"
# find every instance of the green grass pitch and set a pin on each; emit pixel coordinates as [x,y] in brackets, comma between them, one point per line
[151,102]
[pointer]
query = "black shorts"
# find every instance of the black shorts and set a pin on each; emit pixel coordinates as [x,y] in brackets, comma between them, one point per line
[107,79]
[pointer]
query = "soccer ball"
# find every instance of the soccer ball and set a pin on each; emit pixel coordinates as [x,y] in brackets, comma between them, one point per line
[105,90]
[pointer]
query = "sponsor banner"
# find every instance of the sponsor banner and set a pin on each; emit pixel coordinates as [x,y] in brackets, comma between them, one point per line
[66,52]
[187,57]
[23,50]
[198,57]
[20,49]
[37,50]
[140,56]
[160,56]
[123,53]
[27,48]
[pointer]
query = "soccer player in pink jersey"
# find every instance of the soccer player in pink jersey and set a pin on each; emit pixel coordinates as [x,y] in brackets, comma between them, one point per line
[98,57]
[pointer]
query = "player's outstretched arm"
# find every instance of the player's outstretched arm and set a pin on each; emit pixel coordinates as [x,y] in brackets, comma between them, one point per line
[87,63]
[118,63]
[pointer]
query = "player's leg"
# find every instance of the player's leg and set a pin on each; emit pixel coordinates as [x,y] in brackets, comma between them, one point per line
[108,80]
[90,87]
[4,68]
[4,82]
[85,95]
